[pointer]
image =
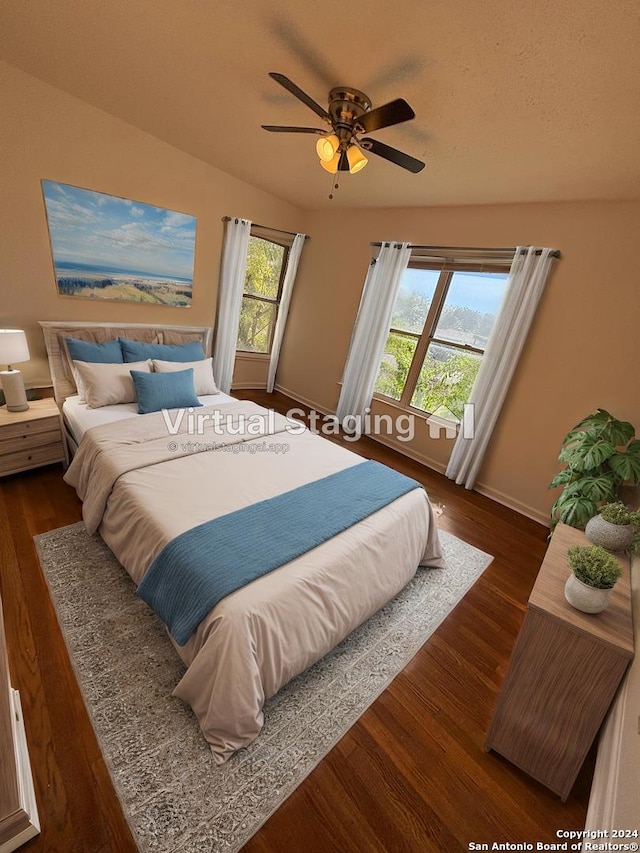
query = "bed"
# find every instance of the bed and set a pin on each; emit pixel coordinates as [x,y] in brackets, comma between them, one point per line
[146,481]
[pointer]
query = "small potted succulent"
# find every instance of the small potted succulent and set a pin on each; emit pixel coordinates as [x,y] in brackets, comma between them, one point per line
[614,527]
[594,574]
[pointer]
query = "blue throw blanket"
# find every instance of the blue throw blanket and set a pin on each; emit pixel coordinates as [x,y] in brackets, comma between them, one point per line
[200,567]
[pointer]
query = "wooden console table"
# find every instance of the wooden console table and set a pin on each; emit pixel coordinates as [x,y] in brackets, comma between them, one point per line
[563,674]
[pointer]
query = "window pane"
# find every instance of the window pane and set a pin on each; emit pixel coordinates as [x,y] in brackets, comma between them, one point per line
[256,320]
[470,307]
[445,381]
[413,300]
[264,263]
[395,364]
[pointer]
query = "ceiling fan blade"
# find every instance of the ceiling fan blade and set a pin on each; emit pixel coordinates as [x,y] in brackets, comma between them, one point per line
[343,163]
[393,155]
[278,128]
[395,112]
[302,96]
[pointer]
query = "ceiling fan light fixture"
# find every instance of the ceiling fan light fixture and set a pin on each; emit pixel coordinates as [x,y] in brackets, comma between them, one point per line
[356,158]
[331,166]
[350,114]
[327,147]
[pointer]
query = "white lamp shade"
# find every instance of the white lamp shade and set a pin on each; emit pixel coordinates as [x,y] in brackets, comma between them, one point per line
[13,346]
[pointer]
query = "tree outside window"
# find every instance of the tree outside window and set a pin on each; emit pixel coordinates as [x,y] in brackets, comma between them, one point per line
[266,266]
[441,323]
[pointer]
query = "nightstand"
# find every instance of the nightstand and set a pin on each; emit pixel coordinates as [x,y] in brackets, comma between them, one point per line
[32,438]
[564,671]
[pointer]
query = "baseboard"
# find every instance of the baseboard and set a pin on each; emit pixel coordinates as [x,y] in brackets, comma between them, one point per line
[511,503]
[435,465]
[298,398]
[407,450]
[28,821]
[248,386]
[487,491]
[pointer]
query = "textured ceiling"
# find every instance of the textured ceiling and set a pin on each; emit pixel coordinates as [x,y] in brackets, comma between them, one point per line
[514,102]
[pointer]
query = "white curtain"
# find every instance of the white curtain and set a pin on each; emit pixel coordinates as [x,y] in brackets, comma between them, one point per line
[527,278]
[371,329]
[232,273]
[287,288]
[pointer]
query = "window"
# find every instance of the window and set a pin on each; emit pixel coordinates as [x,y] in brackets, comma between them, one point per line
[266,266]
[440,326]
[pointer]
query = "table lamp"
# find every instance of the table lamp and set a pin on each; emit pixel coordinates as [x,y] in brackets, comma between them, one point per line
[13,349]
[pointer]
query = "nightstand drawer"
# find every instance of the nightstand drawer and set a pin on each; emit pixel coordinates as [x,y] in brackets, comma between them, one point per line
[11,463]
[29,441]
[32,427]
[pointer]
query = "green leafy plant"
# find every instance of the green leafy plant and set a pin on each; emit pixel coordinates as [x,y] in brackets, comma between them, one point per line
[262,281]
[594,566]
[600,453]
[617,513]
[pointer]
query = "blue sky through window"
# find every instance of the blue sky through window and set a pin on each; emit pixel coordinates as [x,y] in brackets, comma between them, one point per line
[480,291]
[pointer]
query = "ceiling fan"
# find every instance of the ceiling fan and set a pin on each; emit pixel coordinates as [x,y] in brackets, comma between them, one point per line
[350,115]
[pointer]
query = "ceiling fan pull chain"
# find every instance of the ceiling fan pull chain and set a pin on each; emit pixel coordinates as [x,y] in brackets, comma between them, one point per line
[334,186]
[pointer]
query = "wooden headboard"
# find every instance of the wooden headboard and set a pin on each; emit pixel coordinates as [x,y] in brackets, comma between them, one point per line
[55,334]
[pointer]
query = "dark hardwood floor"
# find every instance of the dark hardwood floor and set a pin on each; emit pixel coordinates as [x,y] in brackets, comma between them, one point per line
[411,775]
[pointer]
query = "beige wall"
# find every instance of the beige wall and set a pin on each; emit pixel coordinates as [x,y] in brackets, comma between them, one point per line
[582,352]
[587,322]
[45,133]
[251,370]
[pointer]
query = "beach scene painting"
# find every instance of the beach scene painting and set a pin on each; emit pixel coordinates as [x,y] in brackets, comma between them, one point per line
[105,247]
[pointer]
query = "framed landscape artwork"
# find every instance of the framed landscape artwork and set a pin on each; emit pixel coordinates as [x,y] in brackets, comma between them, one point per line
[105,247]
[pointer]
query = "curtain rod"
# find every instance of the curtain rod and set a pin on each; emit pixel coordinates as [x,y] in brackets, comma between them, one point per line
[266,227]
[453,249]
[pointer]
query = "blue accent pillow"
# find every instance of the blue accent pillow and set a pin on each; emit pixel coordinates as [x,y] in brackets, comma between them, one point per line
[108,352]
[156,391]
[140,351]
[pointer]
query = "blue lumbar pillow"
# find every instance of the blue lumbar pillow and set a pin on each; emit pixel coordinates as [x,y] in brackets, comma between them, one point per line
[108,352]
[156,391]
[140,351]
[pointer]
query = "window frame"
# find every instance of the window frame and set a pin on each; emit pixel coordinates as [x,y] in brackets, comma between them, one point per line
[269,300]
[427,337]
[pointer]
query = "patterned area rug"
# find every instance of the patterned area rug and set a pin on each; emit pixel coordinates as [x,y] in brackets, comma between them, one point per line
[175,797]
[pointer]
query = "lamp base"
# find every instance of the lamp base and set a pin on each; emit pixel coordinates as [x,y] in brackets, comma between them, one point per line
[13,388]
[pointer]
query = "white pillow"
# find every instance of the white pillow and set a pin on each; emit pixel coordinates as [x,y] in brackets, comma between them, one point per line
[202,373]
[107,384]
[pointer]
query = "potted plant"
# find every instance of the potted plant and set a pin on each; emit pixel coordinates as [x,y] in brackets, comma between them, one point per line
[594,574]
[600,453]
[614,527]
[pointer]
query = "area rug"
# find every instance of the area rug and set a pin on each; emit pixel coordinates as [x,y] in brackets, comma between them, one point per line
[174,796]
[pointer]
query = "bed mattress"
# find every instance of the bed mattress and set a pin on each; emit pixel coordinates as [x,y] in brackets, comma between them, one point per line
[79,417]
[141,488]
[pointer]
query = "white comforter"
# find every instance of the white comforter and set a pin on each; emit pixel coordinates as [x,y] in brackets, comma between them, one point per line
[141,487]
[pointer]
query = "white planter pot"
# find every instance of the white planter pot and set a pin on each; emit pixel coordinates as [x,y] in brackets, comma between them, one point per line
[586,598]
[613,537]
